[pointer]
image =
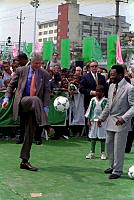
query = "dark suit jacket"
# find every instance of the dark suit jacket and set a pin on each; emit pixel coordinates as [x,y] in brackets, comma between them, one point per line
[18,82]
[88,84]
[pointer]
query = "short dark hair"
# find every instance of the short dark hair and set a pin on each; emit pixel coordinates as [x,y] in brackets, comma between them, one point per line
[22,56]
[100,87]
[119,69]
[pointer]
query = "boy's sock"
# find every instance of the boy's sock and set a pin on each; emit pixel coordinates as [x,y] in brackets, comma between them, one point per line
[102,146]
[93,143]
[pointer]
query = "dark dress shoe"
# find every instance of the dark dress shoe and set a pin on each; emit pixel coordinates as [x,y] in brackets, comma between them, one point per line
[28,166]
[108,171]
[114,176]
[38,142]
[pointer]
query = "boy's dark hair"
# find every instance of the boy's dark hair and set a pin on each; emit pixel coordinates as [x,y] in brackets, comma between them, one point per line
[100,87]
[119,69]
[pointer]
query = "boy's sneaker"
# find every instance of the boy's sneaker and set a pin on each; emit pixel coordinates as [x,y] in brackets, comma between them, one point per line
[103,156]
[90,156]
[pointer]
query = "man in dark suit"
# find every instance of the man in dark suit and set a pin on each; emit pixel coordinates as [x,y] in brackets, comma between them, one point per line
[31,99]
[89,82]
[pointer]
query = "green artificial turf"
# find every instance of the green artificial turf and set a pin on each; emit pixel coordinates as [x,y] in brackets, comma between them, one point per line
[64,173]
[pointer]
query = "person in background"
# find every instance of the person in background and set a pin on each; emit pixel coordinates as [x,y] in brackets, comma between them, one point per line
[78,71]
[76,109]
[22,59]
[100,70]
[89,82]
[6,70]
[55,61]
[88,67]
[84,71]
[57,69]
[96,106]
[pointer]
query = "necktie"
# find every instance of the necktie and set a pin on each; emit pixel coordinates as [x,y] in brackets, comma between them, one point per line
[115,91]
[96,79]
[32,87]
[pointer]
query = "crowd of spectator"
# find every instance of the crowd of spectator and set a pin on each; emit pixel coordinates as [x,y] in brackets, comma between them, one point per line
[73,82]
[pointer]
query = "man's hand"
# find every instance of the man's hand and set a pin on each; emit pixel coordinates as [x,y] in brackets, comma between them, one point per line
[5,104]
[120,121]
[93,93]
[99,123]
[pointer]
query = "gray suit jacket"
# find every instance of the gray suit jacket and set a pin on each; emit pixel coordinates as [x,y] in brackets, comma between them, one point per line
[121,106]
[18,82]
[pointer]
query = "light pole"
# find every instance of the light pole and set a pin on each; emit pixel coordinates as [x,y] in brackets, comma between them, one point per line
[117,2]
[35,4]
[20,18]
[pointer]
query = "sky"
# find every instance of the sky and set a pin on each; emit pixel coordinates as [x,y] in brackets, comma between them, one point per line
[48,9]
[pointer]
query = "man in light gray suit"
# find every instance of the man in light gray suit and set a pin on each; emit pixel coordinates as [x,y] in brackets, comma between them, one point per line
[118,113]
[32,93]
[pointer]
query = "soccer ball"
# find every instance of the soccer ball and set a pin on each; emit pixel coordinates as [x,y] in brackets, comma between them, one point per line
[61,104]
[131,172]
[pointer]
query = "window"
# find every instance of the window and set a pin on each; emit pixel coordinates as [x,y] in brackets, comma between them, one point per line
[40,40]
[50,39]
[85,31]
[40,26]
[55,38]
[107,32]
[59,22]
[55,31]
[44,39]
[50,31]
[45,25]
[58,37]
[58,30]
[95,31]
[86,23]
[98,24]
[40,33]
[55,24]
[51,24]
[45,32]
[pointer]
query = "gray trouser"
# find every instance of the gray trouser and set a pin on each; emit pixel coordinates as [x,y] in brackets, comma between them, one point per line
[32,108]
[116,143]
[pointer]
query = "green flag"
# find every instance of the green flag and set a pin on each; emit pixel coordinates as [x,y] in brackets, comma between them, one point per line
[97,53]
[4,52]
[87,49]
[47,50]
[27,48]
[111,50]
[65,53]
[91,50]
